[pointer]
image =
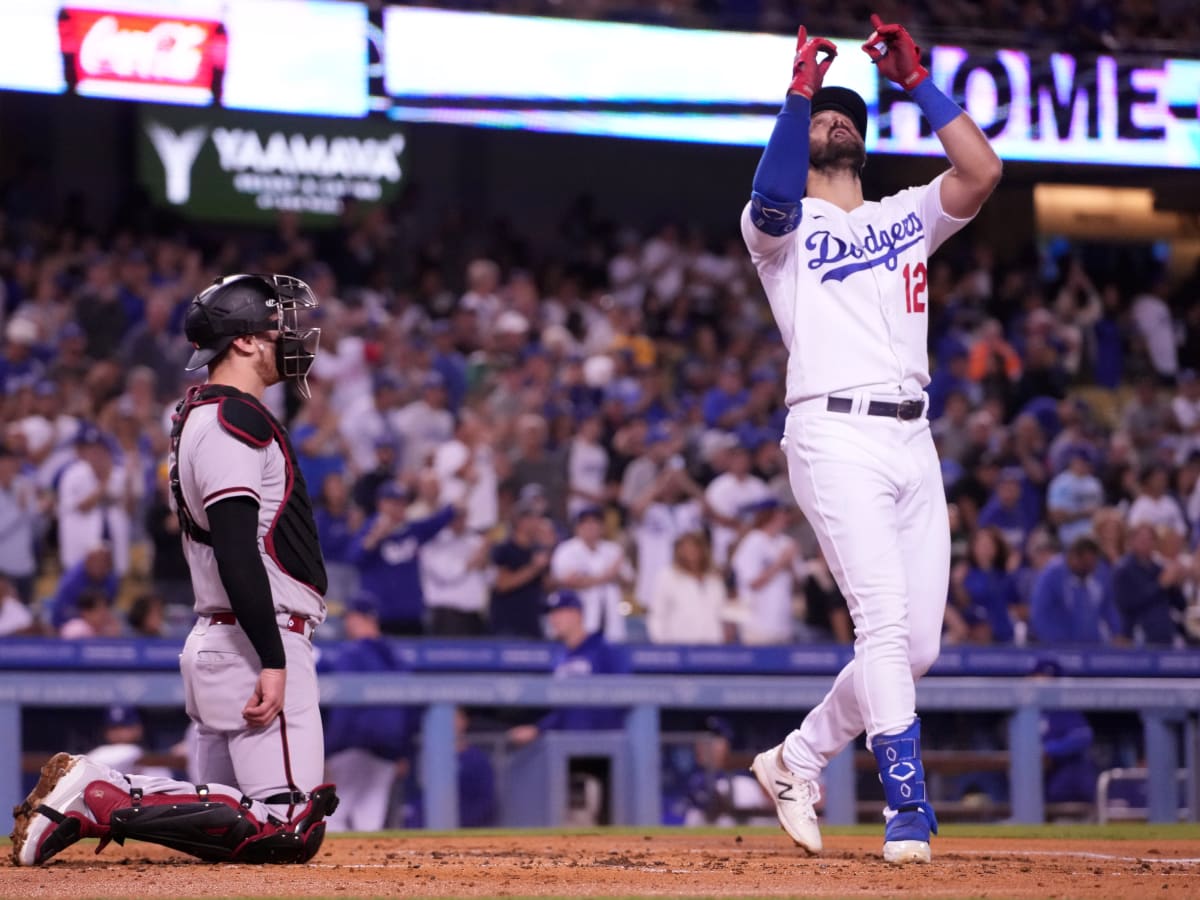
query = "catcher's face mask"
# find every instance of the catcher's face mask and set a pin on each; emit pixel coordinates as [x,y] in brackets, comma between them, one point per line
[296,347]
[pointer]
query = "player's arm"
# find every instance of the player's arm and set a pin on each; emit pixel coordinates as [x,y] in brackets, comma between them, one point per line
[782,173]
[233,524]
[975,167]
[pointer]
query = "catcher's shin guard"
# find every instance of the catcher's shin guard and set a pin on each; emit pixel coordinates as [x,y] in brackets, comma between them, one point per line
[297,841]
[217,828]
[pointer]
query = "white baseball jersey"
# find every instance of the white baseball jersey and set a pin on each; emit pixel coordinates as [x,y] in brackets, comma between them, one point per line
[727,495]
[769,607]
[214,466]
[602,603]
[587,467]
[655,535]
[447,579]
[849,291]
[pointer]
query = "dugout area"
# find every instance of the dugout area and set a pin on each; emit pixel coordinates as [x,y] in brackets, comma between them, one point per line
[1075,863]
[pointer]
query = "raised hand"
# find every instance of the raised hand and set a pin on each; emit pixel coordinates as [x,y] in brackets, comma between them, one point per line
[893,50]
[807,70]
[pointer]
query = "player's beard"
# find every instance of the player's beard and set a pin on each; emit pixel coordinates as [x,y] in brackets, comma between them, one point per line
[265,366]
[844,155]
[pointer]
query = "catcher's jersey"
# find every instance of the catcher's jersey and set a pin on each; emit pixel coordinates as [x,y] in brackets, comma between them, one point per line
[849,291]
[213,466]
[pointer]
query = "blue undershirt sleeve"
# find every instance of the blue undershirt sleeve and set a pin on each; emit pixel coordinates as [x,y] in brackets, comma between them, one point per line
[782,173]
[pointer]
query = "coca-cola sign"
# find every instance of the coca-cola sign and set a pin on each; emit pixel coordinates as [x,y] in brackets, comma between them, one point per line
[141,49]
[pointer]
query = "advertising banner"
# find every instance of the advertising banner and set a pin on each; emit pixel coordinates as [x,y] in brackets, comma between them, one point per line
[291,56]
[240,167]
[321,57]
[723,87]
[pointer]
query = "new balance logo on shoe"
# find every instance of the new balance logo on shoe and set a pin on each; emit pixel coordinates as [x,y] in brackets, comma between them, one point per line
[785,790]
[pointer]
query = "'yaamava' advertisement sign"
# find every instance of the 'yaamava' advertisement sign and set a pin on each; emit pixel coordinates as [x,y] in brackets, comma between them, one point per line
[227,166]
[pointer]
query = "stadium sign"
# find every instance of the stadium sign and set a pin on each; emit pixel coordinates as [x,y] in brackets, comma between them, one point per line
[241,167]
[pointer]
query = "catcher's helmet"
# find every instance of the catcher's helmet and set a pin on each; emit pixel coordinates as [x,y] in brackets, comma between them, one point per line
[236,305]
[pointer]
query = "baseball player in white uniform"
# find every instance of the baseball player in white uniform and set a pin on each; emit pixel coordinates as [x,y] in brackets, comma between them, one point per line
[259,579]
[846,280]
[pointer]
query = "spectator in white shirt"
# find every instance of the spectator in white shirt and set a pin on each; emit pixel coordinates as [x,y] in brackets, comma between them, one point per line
[454,579]
[93,503]
[424,424]
[15,617]
[20,511]
[1185,407]
[764,565]
[466,468]
[663,502]
[595,569]
[1152,317]
[725,498]
[587,467]
[1154,505]
[689,600]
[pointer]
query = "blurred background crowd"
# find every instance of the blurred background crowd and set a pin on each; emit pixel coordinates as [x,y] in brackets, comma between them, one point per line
[494,415]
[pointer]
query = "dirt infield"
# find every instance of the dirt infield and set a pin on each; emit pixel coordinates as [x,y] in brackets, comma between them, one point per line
[624,865]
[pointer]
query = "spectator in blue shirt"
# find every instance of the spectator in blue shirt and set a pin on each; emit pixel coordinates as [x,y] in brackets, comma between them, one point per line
[364,745]
[449,363]
[385,552]
[725,405]
[983,590]
[338,521]
[1074,495]
[949,377]
[1148,593]
[586,655]
[1005,510]
[521,562]
[93,573]
[1073,600]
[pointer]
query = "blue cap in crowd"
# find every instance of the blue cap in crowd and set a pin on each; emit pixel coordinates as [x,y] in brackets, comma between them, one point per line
[563,599]
[364,603]
[1080,451]
[117,716]
[763,505]
[589,512]
[657,434]
[1012,473]
[89,434]
[433,379]
[389,490]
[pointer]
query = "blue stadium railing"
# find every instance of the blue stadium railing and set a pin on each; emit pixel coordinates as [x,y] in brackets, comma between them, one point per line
[1161,688]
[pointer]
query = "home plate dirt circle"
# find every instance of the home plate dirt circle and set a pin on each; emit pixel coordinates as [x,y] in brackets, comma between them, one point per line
[625,865]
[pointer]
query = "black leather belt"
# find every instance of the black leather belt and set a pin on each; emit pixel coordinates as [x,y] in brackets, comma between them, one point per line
[905,410]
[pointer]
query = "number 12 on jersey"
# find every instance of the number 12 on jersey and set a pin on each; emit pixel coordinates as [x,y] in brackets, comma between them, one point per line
[915,282]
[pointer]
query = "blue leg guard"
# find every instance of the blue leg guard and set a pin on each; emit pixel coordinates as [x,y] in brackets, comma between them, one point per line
[903,775]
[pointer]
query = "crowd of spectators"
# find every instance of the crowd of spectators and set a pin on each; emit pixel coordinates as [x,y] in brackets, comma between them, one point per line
[493,417]
[1088,26]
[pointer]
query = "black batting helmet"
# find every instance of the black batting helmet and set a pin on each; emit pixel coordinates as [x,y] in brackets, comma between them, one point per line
[236,305]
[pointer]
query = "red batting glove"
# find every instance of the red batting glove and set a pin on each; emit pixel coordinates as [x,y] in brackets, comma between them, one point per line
[807,71]
[898,57]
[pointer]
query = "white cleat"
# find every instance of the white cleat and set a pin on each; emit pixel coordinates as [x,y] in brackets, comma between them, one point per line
[36,835]
[794,798]
[901,853]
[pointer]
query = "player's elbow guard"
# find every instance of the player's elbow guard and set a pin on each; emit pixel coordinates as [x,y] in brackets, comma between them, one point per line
[773,217]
